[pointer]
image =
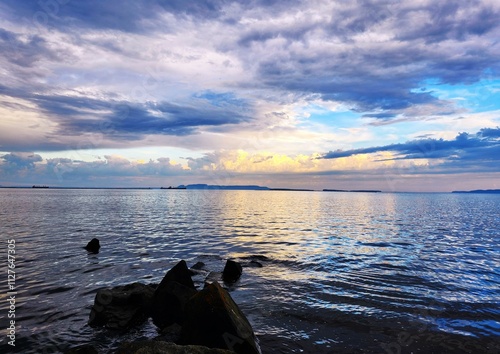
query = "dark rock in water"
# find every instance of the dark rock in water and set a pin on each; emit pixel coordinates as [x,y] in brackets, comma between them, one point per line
[213,277]
[232,271]
[169,303]
[254,264]
[82,349]
[258,257]
[197,268]
[214,320]
[170,297]
[122,307]
[93,246]
[161,347]
[179,273]
[198,265]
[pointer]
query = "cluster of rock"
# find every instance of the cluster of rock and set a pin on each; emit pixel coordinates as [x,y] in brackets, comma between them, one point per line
[205,321]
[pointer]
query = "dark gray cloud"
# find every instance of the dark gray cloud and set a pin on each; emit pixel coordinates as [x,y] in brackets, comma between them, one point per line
[24,52]
[466,150]
[449,20]
[125,16]
[16,162]
[123,120]
[128,16]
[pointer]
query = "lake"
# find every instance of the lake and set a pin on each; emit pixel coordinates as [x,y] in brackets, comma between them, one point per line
[342,272]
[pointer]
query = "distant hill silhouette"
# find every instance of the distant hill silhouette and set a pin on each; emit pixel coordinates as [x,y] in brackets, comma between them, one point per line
[481,191]
[216,187]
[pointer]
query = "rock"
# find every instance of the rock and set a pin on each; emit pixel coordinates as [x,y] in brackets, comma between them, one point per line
[212,277]
[171,333]
[254,264]
[169,302]
[82,349]
[180,274]
[198,265]
[93,246]
[197,269]
[259,257]
[122,307]
[214,320]
[161,347]
[171,296]
[232,271]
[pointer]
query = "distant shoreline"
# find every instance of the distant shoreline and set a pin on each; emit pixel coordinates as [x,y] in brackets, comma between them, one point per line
[193,187]
[243,188]
[479,191]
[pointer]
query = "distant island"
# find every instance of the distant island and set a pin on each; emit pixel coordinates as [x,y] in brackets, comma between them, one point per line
[481,191]
[353,190]
[35,186]
[217,187]
[263,188]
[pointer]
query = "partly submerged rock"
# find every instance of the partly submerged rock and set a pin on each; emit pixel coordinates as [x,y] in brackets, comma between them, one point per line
[253,264]
[197,269]
[93,246]
[122,307]
[161,347]
[171,296]
[212,277]
[214,320]
[179,273]
[232,271]
[198,265]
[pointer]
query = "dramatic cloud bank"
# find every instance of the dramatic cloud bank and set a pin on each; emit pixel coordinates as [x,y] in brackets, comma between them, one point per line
[246,84]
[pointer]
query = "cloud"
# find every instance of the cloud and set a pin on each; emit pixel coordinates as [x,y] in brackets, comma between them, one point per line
[22,160]
[372,55]
[466,150]
[18,163]
[369,55]
[118,120]
[24,52]
[111,169]
[490,132]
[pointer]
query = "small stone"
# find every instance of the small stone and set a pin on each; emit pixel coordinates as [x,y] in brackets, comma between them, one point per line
[198,265]
[232,271]
[93,246]
[254,264]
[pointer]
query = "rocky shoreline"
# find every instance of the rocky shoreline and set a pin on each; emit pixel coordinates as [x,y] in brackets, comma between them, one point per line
[188,320]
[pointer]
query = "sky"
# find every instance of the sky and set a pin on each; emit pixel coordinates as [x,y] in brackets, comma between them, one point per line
[368,94]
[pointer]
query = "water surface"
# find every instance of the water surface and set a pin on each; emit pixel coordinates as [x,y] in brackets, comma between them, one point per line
[342,272]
